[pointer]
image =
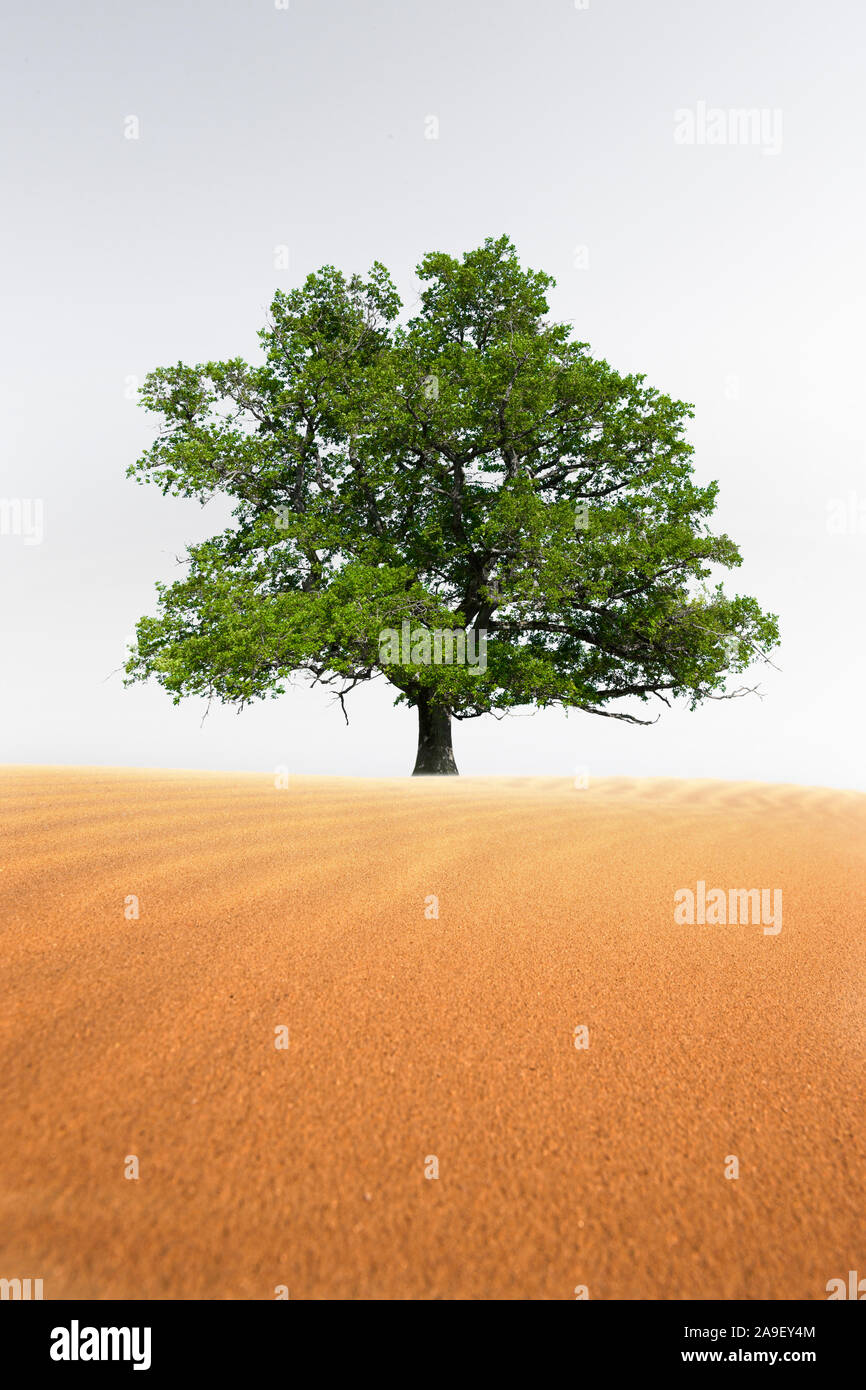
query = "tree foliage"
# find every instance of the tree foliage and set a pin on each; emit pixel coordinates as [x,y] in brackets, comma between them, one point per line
[470,466]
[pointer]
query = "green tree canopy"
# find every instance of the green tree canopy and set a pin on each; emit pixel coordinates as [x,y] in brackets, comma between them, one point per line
[470,469]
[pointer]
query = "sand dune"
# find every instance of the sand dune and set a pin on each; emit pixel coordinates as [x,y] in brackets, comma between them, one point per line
[413,1037]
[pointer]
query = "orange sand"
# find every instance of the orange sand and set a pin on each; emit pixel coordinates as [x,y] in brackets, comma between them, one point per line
[411,1036]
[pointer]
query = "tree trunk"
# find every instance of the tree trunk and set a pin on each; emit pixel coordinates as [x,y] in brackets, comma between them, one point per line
[435,755]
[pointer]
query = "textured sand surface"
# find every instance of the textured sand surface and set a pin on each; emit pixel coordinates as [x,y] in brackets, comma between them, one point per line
[412,1037]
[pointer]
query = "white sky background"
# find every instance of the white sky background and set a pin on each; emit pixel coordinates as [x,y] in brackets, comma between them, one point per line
[732,277]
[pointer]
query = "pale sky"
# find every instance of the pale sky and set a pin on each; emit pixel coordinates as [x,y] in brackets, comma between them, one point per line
[731,273]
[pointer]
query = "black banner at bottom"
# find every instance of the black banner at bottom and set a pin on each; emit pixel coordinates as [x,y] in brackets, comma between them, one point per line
[156,1339]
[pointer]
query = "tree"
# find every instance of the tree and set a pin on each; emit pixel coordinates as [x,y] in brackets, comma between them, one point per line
[466,503]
